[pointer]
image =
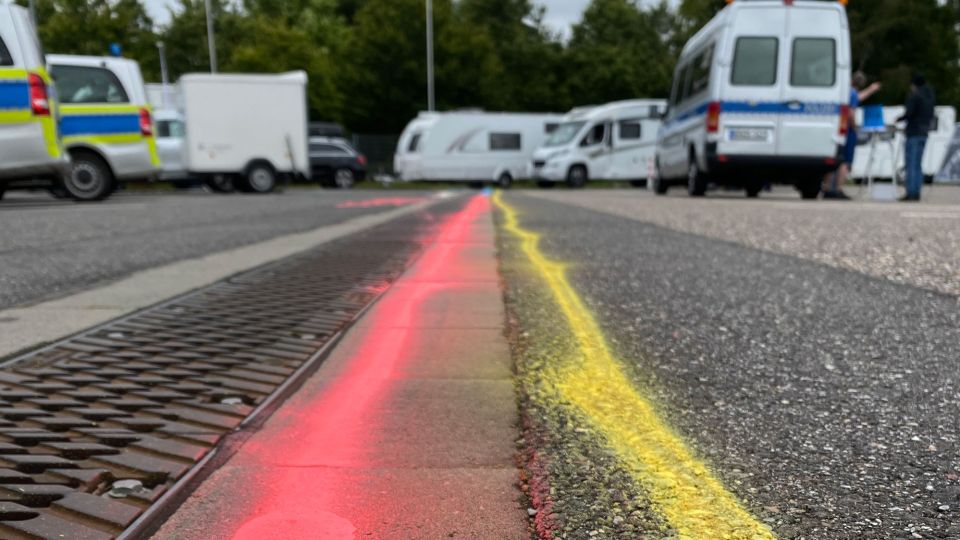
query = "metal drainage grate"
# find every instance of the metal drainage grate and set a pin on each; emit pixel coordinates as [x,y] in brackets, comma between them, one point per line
[95,429]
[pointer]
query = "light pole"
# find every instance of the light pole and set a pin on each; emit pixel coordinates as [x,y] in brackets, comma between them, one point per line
[210,41]
[431,101]
[33,13]
[163,71]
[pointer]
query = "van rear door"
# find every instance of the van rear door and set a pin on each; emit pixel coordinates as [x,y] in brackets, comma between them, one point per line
[815,73]
[749,110]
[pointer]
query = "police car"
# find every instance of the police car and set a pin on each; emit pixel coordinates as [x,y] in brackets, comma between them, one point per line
[106,123]
[30,149]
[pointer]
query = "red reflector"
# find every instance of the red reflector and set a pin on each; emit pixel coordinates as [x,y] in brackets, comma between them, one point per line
[829,161]
[39,102]
[844,119]
[713,117]
[361,159]
[788,2]
[723,159]
[146,123]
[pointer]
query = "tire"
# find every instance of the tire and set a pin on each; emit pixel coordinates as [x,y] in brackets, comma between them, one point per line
[505,181]
[577,177]
[343,178]
[260,178]
[220,183]
[639,183]
[90,178]
[810,190]
[696,180]
[660,185]
[544,184]
[3,191]
[753,189]
[58,192]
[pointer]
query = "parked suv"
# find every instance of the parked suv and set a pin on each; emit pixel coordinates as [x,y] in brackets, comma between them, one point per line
[334,162]
[30,149]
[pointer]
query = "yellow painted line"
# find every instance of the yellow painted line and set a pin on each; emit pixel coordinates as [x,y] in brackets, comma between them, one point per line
[681,487]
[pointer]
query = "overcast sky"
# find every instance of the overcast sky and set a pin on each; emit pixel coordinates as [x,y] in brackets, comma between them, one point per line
[560,13]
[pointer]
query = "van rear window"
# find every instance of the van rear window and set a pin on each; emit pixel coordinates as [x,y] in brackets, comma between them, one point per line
[814,62]
[5,58]
[82,84]
[755,61]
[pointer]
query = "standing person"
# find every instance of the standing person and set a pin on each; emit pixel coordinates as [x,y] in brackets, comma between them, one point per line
[834,181]
[919,117]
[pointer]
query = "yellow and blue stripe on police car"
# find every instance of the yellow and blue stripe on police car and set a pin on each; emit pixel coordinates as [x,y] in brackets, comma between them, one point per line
[107,124]
[15,105]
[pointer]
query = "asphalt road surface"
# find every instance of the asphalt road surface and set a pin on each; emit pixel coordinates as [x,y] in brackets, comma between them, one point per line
[808,352]
[49,248]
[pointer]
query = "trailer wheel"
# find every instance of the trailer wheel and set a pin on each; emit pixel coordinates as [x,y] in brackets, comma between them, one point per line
[577,177]
[343,178]
[220,183]
[505,181]
[260,178]
[90,178]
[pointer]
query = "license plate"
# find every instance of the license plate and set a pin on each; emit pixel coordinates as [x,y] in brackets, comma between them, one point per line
[749,135]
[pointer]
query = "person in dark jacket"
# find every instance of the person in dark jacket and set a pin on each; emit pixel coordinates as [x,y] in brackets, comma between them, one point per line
[919,119]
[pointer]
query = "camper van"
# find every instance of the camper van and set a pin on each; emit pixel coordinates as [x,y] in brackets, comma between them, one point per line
[760,95]
[106,123]
[245,131]
[471,146]
[30,150]
[615,141]
[876,152]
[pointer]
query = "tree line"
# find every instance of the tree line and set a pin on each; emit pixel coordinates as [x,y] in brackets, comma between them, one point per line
[365,58]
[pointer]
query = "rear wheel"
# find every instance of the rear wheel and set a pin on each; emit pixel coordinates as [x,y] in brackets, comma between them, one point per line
[90,178]
[220,183]
[505,181]
[343,178]
[810,189]
[260,178]
[753,189]
[696,181]
[660,185]
[577,177]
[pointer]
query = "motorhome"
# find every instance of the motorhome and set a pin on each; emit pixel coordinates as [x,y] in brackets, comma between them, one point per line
[615,141]
[876,151]
[471,146]
[106,123]
[760,95]
[245,131]
[30,149]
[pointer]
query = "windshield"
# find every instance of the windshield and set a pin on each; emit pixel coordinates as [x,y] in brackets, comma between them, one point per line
[564,133]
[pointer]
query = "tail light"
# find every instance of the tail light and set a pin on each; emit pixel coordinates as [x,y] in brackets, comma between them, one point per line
[39,101]
[844,120]
[146,123]
[361,159]
[713,117]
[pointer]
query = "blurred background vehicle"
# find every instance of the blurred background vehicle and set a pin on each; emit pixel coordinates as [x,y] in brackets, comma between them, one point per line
[472,146]
[615,141]
[170,147]
[334,162]
[247,129]
[30,149]
[760,94]
[106,123]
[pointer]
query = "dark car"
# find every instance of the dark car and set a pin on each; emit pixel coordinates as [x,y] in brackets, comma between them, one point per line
[334,162]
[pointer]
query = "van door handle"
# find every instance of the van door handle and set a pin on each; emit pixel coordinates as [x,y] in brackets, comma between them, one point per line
[794,105]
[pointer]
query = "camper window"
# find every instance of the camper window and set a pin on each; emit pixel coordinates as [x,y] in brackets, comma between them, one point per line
[564,133]
[630,130]
[414,145]
[596,135]
[687,78]
[5,58]
[77,84]
[700,71]
[755,61]
[550,127]
[814,62]
[505,141]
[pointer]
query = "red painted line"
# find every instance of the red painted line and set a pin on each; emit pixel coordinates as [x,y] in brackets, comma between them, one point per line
[335,432]
[382,201]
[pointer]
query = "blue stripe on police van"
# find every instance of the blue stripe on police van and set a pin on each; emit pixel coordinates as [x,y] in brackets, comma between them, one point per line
[99,124]
[14,95]
[763,107]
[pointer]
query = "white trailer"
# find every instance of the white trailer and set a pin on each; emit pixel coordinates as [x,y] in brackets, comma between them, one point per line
[250,129]
[616,141]
[875,158]
[471,146]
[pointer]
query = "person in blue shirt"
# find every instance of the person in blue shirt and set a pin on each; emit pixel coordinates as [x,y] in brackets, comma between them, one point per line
[833,183]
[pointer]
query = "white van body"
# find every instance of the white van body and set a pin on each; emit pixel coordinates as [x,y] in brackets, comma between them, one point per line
[758,96]
[30,147]
[615,141]
[243,126]
[467,146]
[892,143]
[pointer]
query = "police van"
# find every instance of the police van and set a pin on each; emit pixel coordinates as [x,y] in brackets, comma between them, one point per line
[105,122]
[30,150]
[760,95]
